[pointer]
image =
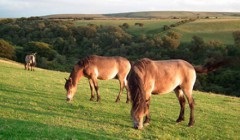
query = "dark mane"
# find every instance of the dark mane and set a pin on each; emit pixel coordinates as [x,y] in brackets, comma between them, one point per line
[81,64]
[85,61]
[142,64]
[138,96]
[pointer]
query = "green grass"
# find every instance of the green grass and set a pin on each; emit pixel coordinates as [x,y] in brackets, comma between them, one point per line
[33,106]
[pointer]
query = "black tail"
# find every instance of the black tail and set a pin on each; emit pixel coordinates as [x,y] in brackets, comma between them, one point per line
[138,96]
[211,66]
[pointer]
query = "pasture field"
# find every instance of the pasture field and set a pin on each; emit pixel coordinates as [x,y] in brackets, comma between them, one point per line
[33,106]
[209,29]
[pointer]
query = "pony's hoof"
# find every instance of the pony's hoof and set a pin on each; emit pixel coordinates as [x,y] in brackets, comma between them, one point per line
[117,100]
[92,99]
[179,120]
[138,127]
[146,124]
[190,124]
[127,101]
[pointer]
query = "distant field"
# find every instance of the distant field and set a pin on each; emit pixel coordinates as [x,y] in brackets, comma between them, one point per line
[152,14]
[209,29]
[216,26]
[33,106]
[150,26]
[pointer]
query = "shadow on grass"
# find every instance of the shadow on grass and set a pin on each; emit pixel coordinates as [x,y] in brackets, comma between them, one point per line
[19,129]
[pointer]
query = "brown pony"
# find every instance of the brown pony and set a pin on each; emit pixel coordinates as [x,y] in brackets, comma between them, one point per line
[149,77]
[99,67]
[30,61]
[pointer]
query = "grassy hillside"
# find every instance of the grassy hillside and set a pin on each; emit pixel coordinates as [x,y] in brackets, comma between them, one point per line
[33,106]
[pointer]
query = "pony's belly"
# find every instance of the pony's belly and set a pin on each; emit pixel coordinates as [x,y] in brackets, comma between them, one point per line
[161,92]
[107,75]
[163,89]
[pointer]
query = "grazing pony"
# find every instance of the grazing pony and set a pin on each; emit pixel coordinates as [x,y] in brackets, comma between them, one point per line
[99,67]
[149,77]
[30,61]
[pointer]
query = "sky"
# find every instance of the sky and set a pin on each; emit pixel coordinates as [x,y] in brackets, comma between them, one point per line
[28,8]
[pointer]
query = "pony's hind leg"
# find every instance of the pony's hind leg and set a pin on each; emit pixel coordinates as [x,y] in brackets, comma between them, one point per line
[121,90]
[25,66]
[191,103]
[127,89]
[182,101]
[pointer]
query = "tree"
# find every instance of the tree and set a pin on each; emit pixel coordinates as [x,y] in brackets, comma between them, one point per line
[6,50]
[236,36]
[42,49]
[171,40]
[197,43]
[125,25]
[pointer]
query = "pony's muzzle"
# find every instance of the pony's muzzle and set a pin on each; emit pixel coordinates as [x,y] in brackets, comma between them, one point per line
[138,127]
[68,99]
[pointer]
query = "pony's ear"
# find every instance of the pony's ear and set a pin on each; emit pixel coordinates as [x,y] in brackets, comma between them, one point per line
[66,79]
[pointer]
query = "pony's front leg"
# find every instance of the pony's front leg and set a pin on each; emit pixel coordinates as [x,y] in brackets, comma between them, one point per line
[96,88]
[92,89]
[147,118]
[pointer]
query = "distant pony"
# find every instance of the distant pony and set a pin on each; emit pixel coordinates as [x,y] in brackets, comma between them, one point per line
[139,24]
[30,61]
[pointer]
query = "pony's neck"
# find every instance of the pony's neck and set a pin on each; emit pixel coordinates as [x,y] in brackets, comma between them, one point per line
[76,74]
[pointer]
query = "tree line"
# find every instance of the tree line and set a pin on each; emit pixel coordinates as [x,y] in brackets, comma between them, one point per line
[60,44]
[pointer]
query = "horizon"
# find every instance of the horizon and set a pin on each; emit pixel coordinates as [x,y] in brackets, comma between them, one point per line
[122,13]
[29,8]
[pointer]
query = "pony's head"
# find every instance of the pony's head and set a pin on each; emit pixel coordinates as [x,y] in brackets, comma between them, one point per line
[70,88]
[137,117]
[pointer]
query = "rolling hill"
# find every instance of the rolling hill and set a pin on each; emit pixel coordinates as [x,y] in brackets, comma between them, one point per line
[33,106]
[152,14]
